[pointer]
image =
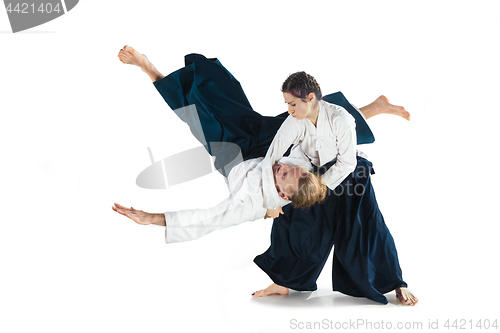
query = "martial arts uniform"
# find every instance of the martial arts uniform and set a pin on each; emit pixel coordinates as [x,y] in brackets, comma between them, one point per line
[334,138]
[365,258]
[245,203]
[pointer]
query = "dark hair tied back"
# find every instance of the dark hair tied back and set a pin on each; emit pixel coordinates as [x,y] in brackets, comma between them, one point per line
[300,85]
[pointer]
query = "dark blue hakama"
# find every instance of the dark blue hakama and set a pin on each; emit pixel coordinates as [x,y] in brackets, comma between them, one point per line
[365,261]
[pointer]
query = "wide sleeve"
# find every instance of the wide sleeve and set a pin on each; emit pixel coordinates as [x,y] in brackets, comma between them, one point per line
[290,132]
[186,225]
[344,128]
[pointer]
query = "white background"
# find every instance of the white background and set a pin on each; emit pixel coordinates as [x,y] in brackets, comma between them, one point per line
[76,124]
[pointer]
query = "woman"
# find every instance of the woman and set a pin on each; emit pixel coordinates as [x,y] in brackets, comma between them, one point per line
[365,257]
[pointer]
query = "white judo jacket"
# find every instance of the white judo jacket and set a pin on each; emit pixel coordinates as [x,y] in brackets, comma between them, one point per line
[245,203]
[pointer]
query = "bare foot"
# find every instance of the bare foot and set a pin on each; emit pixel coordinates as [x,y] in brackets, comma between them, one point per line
[128,55]
[138,216]
[273,289]
[382,105]
[405,296]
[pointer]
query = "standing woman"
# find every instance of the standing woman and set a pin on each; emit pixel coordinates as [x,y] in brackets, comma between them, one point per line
[365,262]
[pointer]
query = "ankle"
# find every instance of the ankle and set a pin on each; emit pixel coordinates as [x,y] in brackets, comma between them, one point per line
[152,72]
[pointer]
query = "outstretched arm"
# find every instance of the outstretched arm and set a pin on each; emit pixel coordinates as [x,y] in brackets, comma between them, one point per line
[185,225]
[140,217]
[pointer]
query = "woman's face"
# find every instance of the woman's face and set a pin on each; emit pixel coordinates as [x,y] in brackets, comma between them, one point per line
[297,107]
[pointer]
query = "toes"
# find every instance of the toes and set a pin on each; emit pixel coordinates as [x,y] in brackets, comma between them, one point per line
[403,113]
[260,293]
[407,298]
[129,49]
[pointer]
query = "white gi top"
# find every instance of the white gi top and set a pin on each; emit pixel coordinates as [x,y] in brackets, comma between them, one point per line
[333,137]
[245,203]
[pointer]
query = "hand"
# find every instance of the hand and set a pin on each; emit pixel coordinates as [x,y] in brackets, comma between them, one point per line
[138,216]
[274,213]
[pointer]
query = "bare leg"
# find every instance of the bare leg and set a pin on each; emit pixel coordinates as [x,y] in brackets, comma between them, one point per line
[273,289]
[404,295]
[140,217]
[382,105]
[128,55]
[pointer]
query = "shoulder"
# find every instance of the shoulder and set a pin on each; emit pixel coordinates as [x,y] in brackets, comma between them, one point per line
[292,122]
[337,115]
[243,168]
[292,126]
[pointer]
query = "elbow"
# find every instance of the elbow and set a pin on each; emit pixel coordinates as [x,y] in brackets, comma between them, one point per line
[349,165]
[352,166]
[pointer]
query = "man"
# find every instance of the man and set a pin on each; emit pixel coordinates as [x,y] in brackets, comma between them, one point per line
[245,202]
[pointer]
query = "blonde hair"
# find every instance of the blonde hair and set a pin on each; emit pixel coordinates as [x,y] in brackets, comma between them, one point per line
[311,190]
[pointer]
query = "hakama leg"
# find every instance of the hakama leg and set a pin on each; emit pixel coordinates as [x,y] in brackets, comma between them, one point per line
[222,111]
[301,240]
[365,258]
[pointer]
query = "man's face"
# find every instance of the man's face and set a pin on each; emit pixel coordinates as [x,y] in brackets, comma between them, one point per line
[286,179]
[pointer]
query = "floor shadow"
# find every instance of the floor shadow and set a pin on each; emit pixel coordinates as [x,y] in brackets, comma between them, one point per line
[394,300]
[313,299]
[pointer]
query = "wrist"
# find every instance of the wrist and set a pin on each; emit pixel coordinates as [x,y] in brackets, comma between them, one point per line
[159,219]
